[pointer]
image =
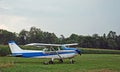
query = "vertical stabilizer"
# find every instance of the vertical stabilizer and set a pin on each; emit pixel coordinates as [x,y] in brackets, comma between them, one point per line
[14,47]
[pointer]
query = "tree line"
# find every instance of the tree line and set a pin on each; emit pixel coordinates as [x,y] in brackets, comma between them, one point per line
[106,41]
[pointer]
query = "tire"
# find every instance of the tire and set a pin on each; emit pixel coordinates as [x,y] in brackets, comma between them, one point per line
[50,62]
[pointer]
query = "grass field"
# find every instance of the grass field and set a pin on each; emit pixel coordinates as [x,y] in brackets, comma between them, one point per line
[84,63]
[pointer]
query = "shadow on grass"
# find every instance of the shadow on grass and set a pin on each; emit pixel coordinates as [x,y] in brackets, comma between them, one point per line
[42,62]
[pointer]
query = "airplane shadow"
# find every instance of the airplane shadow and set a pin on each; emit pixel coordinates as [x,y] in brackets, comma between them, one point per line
[29,62]
[37,61]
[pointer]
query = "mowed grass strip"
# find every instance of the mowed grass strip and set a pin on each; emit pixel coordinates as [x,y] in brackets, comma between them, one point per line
[98,51]
[84,63]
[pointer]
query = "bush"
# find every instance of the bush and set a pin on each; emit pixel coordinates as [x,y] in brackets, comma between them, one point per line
[98,51]
[4,50]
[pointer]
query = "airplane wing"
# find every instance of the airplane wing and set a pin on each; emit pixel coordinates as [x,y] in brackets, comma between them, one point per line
[43,44]
[72,44]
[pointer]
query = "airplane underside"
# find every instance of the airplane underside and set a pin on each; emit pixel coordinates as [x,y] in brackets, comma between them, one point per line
[64,56]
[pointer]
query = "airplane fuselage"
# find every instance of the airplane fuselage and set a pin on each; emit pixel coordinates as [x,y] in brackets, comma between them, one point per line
[43,54]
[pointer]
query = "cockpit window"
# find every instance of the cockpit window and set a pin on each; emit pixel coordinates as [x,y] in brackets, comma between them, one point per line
[53,49]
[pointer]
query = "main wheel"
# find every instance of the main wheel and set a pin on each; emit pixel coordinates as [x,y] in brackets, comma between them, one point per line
[50,62]
[61,60]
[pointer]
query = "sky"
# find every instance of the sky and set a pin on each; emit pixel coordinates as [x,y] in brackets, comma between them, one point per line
[62,17]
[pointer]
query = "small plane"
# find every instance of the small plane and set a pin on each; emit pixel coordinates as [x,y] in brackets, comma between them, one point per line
[51,51]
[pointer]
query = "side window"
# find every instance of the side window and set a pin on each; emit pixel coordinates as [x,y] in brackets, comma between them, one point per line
[58,48]
[52,49]
[61,48]
[46,49]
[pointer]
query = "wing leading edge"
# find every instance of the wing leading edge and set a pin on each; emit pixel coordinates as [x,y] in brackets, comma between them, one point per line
[43,44]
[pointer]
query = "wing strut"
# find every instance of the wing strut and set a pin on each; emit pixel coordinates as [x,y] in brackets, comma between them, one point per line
[58,55]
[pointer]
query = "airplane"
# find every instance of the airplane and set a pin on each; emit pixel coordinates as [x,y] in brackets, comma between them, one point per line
[51,51]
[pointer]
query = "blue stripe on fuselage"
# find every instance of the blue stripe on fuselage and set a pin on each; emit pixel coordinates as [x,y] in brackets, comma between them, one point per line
[32,54]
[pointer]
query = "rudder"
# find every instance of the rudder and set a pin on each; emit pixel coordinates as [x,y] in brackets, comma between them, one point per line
[14,47]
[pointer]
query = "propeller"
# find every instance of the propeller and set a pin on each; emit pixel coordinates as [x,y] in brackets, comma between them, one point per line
[78,51]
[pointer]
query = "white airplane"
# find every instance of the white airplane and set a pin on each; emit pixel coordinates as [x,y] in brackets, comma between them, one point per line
[51,51]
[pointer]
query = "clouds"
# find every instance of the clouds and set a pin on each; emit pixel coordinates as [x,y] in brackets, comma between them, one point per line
[12,23]
[61,16]
[2,26]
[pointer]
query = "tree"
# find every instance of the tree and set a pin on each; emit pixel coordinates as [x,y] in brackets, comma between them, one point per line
[111,35]
[111,40]
[6,36]
[62,39]
[74,38]
[118,42]
[23,37]
[85,41]
[96,40]
[50,37]
[35,35]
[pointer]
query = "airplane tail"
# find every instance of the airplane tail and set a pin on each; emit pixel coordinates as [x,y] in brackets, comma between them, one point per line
[14,47]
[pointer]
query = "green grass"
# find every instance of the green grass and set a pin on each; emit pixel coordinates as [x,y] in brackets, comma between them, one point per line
[92,60]
[84,63]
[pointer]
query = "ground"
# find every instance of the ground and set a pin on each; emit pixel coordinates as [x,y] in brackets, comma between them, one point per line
[84,63]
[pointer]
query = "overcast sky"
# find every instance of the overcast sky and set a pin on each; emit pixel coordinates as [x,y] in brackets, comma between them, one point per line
[83,17]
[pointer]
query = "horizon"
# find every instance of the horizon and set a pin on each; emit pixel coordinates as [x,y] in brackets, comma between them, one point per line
[62,34]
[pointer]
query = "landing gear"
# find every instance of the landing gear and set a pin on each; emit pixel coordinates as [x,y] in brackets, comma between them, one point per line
[61,60]
[51,62]
[72,61]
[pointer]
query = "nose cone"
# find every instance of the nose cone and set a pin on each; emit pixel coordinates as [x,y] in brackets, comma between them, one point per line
[78,51]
